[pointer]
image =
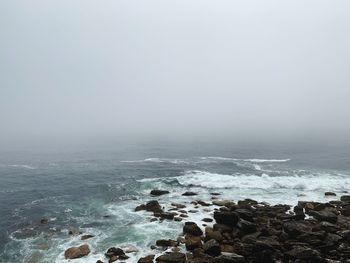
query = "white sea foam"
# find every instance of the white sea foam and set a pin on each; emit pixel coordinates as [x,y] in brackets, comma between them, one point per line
[216,158]
[26,166]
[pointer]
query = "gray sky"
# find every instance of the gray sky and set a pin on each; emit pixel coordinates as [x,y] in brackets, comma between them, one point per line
[198,67]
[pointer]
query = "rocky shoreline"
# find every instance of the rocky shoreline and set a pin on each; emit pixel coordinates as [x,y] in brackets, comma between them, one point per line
[245,231]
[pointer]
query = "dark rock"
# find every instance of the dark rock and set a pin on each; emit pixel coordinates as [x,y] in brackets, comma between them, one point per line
[113,251]
[207,220]
[246,227]
[166,243]
[330,194]
[99,261]
[147,259]
[210,233]
[189,194]
[84,237]
[226,218]
[245,214]
[229,258]
[345,198]
[324,216]
[151,206]
[74,232]
[295,228]
[212,248]
[179,206]
[191,228]
[174,257]
[44,221]
[304,253]
[77,252]
[193,242]
[157,192]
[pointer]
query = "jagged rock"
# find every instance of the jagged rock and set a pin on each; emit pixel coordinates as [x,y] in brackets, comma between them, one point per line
[191,228]
[246,227]
[226,218]
[166,243]
[151,206]
[174,257]
[212,248]
[77,252]
[324,216]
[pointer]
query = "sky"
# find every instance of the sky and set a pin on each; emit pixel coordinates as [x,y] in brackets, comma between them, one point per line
[174,68]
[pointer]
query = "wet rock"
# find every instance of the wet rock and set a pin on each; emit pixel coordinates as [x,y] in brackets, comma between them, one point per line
[84,237]
[178,219]
[245,214]
[77,252]
[130,249]
[147,259]
[215,193]
[226,218]
[166,243]
[74,232]
[99,261]
[227,203]
[157,192]
[202,203]
[330,194]
[193,242]
[114,253]
[174,257]
[179,206]
[151,206]
[165,215]
[345,198]
[189,194]
[44,221]
[208,220]
[191,228]
[295,228]
[212,248]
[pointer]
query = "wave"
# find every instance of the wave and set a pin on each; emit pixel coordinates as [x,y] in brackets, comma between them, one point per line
[246,160]
[243,181]
[22,166]
[159,160]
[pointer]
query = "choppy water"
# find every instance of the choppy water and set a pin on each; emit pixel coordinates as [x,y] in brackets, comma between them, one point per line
[97,191]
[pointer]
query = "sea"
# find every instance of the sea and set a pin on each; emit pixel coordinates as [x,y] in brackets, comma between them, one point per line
[95,190]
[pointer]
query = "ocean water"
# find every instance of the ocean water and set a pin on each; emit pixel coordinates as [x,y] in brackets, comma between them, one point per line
[97,190]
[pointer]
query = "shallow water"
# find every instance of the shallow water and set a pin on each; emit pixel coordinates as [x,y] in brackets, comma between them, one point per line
[97,191]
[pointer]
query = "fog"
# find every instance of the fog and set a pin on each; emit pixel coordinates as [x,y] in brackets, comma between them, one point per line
[190,69]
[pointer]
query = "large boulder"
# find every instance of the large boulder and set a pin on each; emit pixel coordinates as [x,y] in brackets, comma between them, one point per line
[77,252]
[174,257]
[295,228]
[303,253]
[345,198]
[226,218]
[166,243]
[147,259]
[191,228]
[189,193]
[151,206]
[212,248]
[193,242]
[324,216]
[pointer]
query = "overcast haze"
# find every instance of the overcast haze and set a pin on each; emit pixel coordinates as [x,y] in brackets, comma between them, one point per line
[168,68]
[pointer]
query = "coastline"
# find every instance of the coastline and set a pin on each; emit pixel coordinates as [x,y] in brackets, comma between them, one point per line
[225,231]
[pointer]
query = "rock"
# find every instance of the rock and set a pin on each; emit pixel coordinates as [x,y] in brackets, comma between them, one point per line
[159,192]
[74,232]
[165,215]
[245,214]
[202,203]
[123,257]
[226,218]
[345,198]
[130,249]
[229,258]
[330,194]
[174,257]
[226,203]
[151,206]
[179,206]
[295,228]
[215,193]
[324,216]
[44,221]
[77,252]
[304,253]
[178,219]
[99,261]
[246,227]
[147,259]
[191,228]
[189,194]
[193,242]
[84,237]
[114,252]
[166,243]
[212,248]
[208,220]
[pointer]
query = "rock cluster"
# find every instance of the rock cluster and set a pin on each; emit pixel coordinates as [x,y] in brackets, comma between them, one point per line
[249,231]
